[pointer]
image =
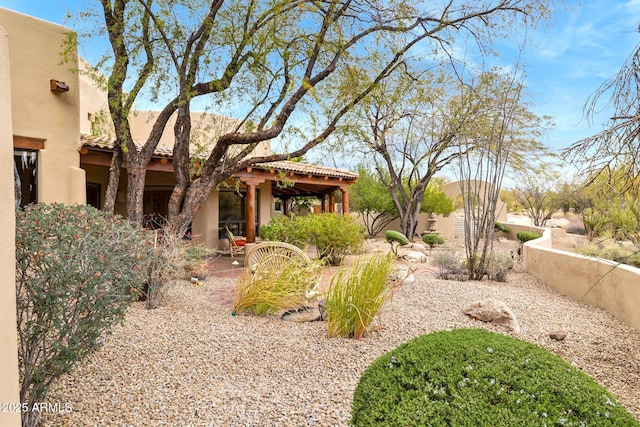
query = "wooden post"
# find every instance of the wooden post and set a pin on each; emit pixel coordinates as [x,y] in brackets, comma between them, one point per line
[250,213]
[345,199]
[332,202]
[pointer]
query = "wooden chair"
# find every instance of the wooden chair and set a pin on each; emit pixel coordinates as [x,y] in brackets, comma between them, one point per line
[234,247]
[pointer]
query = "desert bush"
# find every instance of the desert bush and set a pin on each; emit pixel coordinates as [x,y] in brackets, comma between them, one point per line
[473,377]
[77,271]
[356,296]
[594,223]
[610,250]
[502,227]
[498,265]
[525,236]
[271,287]
[432,239]
[290,229]
[450,266]
[334,236]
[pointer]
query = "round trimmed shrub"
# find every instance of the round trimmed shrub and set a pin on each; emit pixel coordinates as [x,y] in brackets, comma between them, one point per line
[432,239]
[473,377]
[396,236]
[525,236]
[502,227]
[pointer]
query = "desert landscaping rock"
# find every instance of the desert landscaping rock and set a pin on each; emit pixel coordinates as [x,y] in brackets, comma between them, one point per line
[494,311]
[302,314]
[558,335]
[191,363]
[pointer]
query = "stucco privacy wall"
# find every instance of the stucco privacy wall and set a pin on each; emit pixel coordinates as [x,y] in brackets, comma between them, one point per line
[9,390]
[604,284]
[34,52]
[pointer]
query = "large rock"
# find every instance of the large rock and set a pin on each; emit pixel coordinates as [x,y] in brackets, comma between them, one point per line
[494,311]
[302,314]
[414,256]
[402,274]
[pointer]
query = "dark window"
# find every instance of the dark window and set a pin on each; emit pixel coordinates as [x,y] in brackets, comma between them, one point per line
[93,195]
[26,162]
[232,212]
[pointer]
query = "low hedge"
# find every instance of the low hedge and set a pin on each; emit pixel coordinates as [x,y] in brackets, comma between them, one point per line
[525,236]
[473,377]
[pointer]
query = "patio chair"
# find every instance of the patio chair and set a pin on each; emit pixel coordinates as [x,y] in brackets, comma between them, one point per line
[236,246]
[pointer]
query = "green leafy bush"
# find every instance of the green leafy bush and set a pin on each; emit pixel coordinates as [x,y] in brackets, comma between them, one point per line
[396,236]
[290,229]
[594,223]
[525,236]
[355,297]
[77,270]
[334,236]
[432,239]
[610,250]
[502,227]
[473,377]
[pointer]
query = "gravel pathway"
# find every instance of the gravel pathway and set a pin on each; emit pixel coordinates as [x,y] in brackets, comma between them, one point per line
[190,363]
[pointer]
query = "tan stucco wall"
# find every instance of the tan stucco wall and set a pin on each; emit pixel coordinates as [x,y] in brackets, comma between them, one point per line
[601,283]
[34,49]
[9,389]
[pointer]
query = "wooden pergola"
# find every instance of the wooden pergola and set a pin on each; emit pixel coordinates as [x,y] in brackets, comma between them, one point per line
[300,179]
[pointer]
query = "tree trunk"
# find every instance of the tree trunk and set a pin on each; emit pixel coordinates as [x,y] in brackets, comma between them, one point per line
[114,181]
[136,173]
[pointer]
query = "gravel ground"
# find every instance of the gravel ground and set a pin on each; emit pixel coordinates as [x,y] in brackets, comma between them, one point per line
[190,363]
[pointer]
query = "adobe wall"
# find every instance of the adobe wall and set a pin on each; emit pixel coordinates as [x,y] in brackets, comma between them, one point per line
[9,391]
[605,284]
[34,49]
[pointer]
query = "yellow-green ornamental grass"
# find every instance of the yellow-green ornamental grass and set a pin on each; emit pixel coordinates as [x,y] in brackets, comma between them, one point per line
[272,288]
[355,297]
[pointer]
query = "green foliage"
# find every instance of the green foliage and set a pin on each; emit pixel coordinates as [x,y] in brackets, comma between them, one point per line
[290,229]
[269,287]
[77,271]
[396,236]
[525,236]
[611,250]
[355,297]
[370,197]
[502,227]
[594,222]
[436,201]
[473,377]
[432,239]
[333,235]
[498,266]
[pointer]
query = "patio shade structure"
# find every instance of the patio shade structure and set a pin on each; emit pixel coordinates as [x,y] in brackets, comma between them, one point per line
[301,179]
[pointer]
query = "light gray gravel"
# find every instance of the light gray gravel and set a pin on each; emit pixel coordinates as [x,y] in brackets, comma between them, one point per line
[190,363]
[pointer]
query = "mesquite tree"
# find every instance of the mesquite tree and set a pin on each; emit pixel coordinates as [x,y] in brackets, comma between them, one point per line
[274,64]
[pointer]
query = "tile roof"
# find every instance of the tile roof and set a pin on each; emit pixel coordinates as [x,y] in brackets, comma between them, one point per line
[106,144]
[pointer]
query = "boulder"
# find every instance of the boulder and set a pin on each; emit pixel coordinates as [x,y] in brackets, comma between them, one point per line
[415,256]
[558,335]
[494,311]
[402,274]
[302,314]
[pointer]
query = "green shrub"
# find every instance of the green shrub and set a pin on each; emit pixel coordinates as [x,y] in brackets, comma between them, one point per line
[472,377]
[275,286]
[290,229]
[610,250]
[77,270]
[432,239]
[502,227]
[396,236]
[450,266]
[498,266]
[525,236]
[355,297]
[334,236]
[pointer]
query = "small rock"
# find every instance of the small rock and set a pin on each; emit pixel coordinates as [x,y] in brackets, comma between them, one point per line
[403,274]
[302,314]
[493,311]
[558,335]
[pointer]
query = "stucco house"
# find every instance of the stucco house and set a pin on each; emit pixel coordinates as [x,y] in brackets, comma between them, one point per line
[62,148]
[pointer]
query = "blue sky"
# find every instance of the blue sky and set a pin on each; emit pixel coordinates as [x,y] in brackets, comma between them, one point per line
[566,59]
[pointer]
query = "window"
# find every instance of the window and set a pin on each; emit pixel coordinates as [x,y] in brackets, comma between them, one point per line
[93,195]
[231,213]
[26,162]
